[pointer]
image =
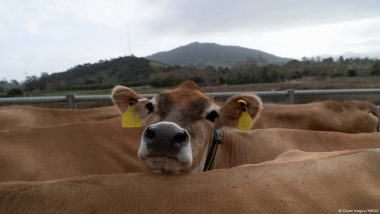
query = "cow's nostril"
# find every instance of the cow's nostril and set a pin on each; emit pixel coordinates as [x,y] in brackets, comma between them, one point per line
[180,137]
[149,133]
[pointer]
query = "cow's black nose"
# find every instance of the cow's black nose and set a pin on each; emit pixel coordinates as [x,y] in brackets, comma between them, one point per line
[181,137]
[165,138]
[149,133]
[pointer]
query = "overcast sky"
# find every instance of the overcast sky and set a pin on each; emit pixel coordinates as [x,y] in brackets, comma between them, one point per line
[53,35]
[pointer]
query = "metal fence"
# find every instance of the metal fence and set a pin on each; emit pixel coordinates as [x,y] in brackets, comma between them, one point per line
[291,94]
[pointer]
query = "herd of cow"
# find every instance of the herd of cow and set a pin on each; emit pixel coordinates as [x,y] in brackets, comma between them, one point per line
[320,157]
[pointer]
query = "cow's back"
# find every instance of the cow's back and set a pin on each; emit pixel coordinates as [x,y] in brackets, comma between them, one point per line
[341,116]
[101,147]
[16,117]
[319,185]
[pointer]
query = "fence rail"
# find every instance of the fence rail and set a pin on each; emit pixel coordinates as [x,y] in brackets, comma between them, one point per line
[72,100]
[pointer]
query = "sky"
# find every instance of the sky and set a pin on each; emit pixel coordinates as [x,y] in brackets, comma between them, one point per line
[53,35]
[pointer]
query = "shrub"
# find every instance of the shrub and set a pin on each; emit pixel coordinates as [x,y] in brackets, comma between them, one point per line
[351,73]
[14,92]
[376,69]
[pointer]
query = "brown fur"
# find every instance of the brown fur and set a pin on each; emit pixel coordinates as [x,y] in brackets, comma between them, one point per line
[340,116]
[182,106]
[256,146]
[232,110]
[75,150]
[21,117]
[69,150]
[323,184]
[103,147]
[121,97]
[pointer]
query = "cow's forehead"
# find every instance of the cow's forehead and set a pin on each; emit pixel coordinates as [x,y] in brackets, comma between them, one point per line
[183,96]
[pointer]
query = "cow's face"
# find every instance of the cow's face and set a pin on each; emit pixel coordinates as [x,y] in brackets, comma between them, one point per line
[178,126]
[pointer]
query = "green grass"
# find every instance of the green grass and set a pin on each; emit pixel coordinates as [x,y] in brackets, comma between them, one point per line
[155,64]
[140,89]
[76,92]
[357,79]
[147,89]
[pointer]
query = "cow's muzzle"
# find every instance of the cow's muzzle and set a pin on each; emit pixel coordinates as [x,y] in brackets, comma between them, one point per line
[165,147]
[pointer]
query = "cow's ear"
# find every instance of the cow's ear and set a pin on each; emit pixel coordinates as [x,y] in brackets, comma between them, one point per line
[240,111]
[123,97]
[131,106]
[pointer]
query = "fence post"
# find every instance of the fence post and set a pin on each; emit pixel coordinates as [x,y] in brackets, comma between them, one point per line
[291,96]
[71,101]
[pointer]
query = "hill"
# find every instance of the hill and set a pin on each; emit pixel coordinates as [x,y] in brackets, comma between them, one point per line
[102,74]
[203,54]
[134,71]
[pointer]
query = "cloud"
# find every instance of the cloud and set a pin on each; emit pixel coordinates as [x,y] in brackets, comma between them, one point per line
[50,36]
[207,16]
[360,36]
[112,14]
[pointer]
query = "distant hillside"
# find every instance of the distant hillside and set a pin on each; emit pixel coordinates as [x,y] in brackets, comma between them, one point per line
[203,54]
[134,71]
[127,70]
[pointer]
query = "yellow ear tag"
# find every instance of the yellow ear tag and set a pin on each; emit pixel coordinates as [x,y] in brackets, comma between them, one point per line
[129,118]
[245,121]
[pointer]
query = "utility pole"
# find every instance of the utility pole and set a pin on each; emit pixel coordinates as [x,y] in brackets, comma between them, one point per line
[128,43]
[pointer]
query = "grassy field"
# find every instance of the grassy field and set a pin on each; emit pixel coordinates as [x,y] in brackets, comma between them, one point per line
[77,92]
[155,64]
[333,83]
[364,79]
[139,89]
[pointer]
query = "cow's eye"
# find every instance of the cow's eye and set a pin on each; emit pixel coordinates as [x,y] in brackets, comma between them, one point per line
[212,116]
[150,107]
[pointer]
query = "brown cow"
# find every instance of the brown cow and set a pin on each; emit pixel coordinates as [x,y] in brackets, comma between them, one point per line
[17,117]
[325,183]
[179,130]
[341,116]
[101,147]
[346,116]
[256,146]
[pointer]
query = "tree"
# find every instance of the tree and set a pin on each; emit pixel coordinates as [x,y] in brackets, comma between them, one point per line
[296,75]
[376,69]
[14,92]
[352,73]
[14,82]
[328,60]
[30,83]
[341,60]
[221,80]
[42,81]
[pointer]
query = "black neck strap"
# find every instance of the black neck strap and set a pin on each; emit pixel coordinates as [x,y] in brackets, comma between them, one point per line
[214,147]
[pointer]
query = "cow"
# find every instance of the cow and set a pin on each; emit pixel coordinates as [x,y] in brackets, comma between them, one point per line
[20,117]
[101,147]
[180,125]
[325,183]
[104,147]
[344,116]
[341,116]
